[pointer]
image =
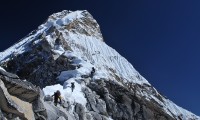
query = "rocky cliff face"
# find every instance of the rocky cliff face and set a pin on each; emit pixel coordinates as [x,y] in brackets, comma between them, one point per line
[64,50]
[21,100]
[16,97]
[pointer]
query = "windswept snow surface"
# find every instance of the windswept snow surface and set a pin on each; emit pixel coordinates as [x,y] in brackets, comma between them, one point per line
[87,52]
[103,57]
[66,91]
[63,18]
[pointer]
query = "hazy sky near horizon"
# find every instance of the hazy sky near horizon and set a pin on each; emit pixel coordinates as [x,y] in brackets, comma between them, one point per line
[161,38]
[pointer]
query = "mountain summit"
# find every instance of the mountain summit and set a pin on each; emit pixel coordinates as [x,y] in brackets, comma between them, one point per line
[69,48]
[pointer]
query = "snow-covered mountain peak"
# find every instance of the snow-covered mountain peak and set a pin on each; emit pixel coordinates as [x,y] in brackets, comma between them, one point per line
[66,48]
[78,32]
[77,21]
[73,14]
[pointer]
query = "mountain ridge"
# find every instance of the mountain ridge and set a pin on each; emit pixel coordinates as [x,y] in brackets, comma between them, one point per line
[65,48]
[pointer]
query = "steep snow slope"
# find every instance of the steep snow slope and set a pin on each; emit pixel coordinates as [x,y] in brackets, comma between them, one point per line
[76,36]
[92,47]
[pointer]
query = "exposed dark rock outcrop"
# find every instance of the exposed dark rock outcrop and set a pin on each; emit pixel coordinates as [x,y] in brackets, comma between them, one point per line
[122,104]
[21,89]
[41,66]
[13,106]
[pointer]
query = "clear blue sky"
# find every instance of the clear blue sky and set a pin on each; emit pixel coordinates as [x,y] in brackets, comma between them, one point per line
[161,38]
